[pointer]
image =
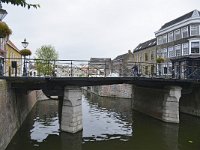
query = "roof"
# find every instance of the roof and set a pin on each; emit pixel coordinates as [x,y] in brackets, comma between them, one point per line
[12,45]
[194,13]
[121,56]
[100,59]
[147,44]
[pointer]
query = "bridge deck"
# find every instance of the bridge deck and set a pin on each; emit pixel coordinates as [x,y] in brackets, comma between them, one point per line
[34,83]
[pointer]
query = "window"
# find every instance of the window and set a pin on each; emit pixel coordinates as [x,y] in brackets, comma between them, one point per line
[184,32]
[170,37]
[177,34]
[185,47]
[159,40]
[162,53]
[194,30]
[146,56]
[152,55]
[159,53]
[171,52]
[194,47]
[164,38]
[178,50]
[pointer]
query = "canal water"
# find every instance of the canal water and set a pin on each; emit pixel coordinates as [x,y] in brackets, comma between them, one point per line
[108,124]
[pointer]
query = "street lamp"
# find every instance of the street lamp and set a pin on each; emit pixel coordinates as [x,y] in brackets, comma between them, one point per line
[3,12]
[25,44]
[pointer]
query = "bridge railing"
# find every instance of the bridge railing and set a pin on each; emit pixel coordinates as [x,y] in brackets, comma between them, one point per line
[86,68]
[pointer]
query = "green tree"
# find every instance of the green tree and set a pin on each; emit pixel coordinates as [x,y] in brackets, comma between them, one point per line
[45,59]
[22,3]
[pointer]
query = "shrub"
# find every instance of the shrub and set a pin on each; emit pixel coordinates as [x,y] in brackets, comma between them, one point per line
[160,60]
[25,52]
[4,30]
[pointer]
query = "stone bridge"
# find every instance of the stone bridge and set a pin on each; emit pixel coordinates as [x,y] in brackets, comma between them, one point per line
[156,97]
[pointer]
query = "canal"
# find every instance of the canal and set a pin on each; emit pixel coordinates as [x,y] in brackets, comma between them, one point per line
[108,123]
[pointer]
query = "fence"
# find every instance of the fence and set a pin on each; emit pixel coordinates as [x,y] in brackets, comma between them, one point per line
[85,68]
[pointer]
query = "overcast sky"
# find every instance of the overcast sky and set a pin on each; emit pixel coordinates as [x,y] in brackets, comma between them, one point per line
[81,29]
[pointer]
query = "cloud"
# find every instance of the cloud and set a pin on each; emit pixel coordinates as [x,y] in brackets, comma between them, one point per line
[80,29]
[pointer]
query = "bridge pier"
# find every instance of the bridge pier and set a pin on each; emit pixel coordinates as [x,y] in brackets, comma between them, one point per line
[162,104]
[171,104]
[71,118]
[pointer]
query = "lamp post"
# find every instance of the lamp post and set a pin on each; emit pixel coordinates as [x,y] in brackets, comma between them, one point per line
[25,44]
[3,12]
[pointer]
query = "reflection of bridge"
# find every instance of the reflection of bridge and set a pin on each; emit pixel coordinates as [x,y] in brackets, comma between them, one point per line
[165,93]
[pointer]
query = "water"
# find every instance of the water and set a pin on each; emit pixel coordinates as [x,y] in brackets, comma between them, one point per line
[107,124]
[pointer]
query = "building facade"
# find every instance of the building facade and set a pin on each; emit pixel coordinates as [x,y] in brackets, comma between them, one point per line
[99,67]
[145,58]
[2,54]
[122,64]
[13,60]
[177,42]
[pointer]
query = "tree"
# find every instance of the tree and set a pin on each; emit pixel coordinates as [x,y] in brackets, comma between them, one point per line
[45,59]
[22,3]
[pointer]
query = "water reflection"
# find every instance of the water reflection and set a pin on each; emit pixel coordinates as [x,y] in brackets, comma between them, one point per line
[108,123]
[103,120]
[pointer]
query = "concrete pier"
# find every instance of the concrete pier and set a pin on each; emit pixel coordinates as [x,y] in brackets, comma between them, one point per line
[171,104]
[71,119]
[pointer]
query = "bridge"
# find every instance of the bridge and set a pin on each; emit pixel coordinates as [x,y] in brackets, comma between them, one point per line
[68,89]
[165,92]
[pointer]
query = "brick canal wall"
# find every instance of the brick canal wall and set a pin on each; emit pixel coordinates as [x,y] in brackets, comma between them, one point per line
[14,107]
[119,90]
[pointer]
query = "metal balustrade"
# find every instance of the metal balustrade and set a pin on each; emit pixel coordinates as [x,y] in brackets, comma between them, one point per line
[84,68]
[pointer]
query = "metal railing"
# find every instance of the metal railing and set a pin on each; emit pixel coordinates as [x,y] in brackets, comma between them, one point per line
[85,68]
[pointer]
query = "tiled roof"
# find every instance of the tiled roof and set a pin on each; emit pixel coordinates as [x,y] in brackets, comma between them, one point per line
[146,44]
[179,19]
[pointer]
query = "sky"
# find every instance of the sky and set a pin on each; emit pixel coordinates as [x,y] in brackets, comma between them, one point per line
[81,29]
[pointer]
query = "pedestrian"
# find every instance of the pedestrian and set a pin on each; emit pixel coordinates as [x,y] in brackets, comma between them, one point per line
[135,71]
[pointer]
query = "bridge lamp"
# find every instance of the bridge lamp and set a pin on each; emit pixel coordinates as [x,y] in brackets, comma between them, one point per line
[24,44]
[3,12]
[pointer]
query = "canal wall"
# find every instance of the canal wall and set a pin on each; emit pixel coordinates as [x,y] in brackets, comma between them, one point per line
[148,101]
[118,90]
[190,102]
[14,107]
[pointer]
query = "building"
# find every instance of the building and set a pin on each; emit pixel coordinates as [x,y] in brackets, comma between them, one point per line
[178,42]
[13,60]
[122,64]
[64,70]
[2,54]
[145,57]
[99,66]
